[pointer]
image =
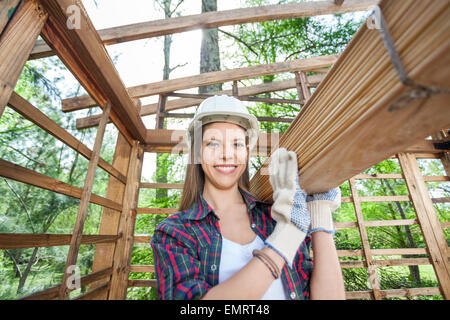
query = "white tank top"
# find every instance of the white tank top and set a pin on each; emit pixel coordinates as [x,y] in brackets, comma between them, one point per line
[235,256]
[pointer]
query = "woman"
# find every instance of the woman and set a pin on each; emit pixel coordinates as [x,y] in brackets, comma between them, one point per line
[225,244]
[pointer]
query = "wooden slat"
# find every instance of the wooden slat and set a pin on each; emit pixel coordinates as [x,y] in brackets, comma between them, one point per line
[22,240]
[157,210]
[28,111]
[16,42]
[109,224]
[351,121]
[384,223]
[394,293]
[161,185]
[142,283]
[123,252]
[75,242]
[95,294]
[383,252]
[428,219]
[387,263]
[52,293]
[142,268]
[83,53]
[399,176]
[220,18]
[142,239]
[24,175]
[365,241]
[83,102]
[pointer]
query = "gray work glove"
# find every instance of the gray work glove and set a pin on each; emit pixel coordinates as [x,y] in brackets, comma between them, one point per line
[320,207]
[289,207]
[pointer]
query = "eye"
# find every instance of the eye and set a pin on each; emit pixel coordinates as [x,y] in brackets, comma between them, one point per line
[212,144]
[239,144]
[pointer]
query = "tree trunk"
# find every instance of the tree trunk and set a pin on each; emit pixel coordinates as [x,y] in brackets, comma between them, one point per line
[209,53]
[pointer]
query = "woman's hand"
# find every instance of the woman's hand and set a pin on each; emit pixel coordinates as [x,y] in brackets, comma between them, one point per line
[289,208]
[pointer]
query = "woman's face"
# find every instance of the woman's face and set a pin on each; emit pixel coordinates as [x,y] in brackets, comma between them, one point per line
[224,153]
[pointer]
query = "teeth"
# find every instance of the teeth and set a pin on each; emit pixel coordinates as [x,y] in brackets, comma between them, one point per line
[226,168]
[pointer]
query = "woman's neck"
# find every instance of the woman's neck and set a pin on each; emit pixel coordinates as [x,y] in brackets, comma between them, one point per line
[221,199]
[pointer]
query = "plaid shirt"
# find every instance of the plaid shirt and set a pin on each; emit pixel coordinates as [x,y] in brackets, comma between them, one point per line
[187,248]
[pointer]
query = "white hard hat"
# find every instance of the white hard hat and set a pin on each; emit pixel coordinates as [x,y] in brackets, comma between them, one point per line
[225,109]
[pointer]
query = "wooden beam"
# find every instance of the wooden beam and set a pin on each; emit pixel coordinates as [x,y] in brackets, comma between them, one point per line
[84,204]
[122,254]
[219,18]
[85,56]
[7,8]
[374,282]
[16,42]
[109,224]
[428,219]
[209,78]
[24,175]
[353,120]
[83,102]
[22,240]
[28,111]
[52,293]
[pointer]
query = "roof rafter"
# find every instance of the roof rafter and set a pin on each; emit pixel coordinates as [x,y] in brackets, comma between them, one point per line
[163,27]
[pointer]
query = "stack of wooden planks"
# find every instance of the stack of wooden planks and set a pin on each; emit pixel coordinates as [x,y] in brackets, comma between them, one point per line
[362,113]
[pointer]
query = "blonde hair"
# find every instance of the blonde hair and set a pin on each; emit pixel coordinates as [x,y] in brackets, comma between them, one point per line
[195,177]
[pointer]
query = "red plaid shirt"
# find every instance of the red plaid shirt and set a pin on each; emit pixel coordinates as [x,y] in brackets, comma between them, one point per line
[187,247]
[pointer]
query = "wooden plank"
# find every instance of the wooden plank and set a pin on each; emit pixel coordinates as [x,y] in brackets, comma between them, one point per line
[16,42]
[394,293]
[142,239]
[83,53]
[142,283]
[214,77]
[52,293]
[7,8]
[109,224]
[157,210]
[23,240]
[428,219]
[384,223]
[208,78]
[382,252]
[84,204]
[24,175]
[343,129]
[28,111]
[221,18]
[387,263]
[83,102]
[95,294]
[142,268]
[159,121]
[161,185]
[365,241]
[122,254]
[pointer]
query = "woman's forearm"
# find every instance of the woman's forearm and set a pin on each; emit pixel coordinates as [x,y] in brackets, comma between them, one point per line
[326,280]
[249,283]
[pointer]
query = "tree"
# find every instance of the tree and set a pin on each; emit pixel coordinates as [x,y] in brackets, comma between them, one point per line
[209,52]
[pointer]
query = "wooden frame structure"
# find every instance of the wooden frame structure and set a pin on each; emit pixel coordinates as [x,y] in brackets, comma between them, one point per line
[83,52]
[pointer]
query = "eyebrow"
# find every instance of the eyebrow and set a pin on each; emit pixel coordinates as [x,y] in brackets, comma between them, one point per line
[213,138]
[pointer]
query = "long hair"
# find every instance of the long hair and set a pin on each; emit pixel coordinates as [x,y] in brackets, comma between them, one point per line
[195,177]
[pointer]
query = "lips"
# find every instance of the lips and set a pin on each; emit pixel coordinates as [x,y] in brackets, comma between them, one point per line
[226,169]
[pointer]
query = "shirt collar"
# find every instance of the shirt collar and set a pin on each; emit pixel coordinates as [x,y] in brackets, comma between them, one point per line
[200,209]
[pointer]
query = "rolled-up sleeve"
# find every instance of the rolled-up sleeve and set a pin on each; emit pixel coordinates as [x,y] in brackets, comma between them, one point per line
[178,270]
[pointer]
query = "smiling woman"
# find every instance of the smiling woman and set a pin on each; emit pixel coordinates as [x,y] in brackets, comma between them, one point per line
[226,244]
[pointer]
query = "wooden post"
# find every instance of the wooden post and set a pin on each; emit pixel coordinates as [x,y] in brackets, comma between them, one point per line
[7,8]
[159,123]
[235,89]
[124,247]
[365,242]
[104,253]
[16,43]
[84,203]
[428,220]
